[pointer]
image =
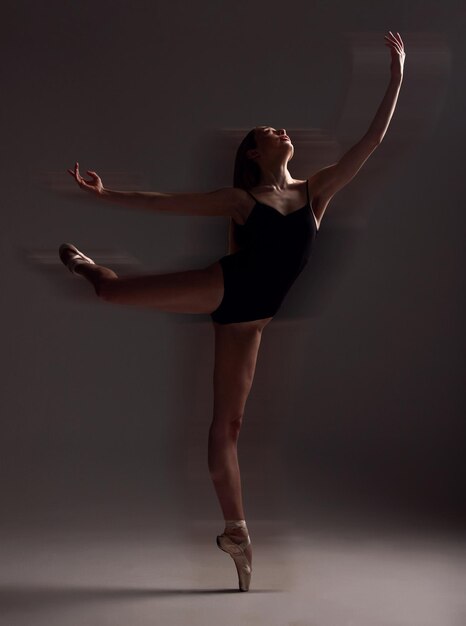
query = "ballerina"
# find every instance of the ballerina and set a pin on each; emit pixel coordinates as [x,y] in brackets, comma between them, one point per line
[272,236]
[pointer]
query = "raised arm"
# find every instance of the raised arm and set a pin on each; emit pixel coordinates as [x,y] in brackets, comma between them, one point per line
[221,202]
[332,178]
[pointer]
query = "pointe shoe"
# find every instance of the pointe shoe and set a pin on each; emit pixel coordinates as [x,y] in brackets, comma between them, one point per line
[72,260]
[236,551]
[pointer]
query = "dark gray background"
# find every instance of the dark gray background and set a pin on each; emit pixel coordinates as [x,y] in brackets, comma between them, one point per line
[358,401]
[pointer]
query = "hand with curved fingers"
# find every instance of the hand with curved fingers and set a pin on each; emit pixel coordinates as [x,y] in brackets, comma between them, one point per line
[94,186]
[398,53]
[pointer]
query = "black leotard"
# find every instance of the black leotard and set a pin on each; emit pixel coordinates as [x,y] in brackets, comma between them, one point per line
[274,248]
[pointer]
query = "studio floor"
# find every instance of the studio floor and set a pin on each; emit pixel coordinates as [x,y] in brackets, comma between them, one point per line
[137,577]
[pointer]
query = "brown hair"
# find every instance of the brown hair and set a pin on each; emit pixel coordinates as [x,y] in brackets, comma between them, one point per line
[247,172]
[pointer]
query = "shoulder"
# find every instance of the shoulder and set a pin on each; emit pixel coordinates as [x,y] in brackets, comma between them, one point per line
[315,184]
[241,203]
[318,192]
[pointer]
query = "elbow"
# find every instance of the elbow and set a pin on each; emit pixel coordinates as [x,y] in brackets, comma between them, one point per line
[374,140]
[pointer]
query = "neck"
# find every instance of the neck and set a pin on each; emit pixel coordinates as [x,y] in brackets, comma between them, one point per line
[276,176]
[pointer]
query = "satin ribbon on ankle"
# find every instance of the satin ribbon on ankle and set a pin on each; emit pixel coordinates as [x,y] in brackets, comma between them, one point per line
[235,523]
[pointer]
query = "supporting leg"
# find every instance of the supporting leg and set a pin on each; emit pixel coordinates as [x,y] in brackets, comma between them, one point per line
[236,350]
[224,467]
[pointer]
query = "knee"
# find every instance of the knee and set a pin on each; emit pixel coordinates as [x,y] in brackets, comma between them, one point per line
[235,426]
[227,430]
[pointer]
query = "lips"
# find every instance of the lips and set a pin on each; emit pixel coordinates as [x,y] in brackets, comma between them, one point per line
[285,137]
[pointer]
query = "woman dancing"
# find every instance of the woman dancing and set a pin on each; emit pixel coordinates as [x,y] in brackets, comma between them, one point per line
[274,221]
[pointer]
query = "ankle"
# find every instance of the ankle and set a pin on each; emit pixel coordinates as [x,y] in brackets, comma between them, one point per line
[236,527]
[235,523]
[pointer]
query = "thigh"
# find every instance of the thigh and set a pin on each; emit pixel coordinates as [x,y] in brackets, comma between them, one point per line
[236,352]
[190,291]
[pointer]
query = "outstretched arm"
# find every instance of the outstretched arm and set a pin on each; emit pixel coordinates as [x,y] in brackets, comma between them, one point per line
[331,179]
[221,202]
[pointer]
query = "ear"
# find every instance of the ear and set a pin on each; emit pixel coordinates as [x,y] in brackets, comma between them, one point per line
[252,153]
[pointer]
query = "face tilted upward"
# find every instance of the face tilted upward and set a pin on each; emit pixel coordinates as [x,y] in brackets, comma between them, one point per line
[269,140]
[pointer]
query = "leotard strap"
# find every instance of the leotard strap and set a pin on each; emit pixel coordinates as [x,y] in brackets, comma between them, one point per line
[251,195]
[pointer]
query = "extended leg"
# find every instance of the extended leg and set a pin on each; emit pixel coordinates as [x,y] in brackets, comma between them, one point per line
[191,291]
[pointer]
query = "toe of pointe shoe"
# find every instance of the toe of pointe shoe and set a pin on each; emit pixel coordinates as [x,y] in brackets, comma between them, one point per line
[63,251]
[71,256]
[236,551]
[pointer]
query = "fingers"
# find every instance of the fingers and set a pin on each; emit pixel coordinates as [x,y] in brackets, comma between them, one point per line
[75,174]
[75,171]
[398,37]
[79,179]
[392,45]
[392,39]
[396,41]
